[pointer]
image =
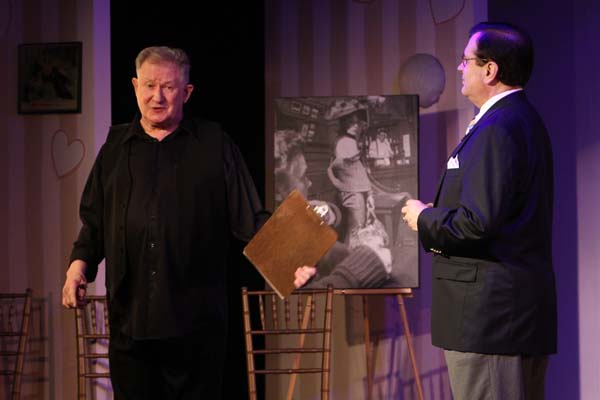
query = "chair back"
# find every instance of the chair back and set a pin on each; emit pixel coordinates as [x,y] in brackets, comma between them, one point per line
[15,315]
[294,333]
[92,334]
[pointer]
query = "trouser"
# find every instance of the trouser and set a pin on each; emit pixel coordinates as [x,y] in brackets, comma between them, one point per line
[476,376]
[185,368]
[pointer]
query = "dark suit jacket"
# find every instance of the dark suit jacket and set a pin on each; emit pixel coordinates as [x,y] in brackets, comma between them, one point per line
[491,232]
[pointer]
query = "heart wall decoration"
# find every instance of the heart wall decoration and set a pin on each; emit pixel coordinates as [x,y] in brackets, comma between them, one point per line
[67,154]
[445,10]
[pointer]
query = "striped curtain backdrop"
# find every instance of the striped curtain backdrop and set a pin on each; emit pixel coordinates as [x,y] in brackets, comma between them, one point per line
[362,47]
[376,47]
[44,162]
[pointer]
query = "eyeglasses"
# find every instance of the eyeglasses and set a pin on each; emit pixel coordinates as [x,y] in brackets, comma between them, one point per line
[464,60]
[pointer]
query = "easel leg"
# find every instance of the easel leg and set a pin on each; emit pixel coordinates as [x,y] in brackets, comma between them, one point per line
[368,353]
[411,350]
[305,319]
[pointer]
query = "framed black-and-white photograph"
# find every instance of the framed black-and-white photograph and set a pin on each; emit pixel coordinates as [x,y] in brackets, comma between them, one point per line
[360,157]
[49,77]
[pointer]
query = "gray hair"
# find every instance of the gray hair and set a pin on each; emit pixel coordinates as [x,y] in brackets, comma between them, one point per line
[165,54]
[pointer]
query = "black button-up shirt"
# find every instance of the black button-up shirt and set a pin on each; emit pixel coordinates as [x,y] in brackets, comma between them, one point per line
[152,165]
[159,212]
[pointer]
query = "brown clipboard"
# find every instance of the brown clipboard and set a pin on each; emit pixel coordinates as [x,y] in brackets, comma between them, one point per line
[294,236]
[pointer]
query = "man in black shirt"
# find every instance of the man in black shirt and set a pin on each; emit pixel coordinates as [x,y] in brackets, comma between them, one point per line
[163,197]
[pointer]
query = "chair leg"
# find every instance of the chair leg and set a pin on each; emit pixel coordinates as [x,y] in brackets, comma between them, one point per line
[327,346]
[249,348]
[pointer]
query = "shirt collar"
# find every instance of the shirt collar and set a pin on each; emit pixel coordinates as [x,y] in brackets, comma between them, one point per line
[493,100]
[135,128]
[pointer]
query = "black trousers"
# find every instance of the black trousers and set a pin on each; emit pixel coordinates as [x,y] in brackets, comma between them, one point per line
[185,368]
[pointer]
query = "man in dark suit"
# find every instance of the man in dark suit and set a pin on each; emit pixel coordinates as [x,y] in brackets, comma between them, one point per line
[490,229]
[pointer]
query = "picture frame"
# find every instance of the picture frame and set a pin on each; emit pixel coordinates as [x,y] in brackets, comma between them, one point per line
[49,78]
[305,155]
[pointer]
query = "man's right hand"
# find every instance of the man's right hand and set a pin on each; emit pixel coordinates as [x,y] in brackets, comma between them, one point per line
[411,212]
[74,290]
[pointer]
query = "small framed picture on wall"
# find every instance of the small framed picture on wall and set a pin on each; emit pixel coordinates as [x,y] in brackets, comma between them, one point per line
[49,76]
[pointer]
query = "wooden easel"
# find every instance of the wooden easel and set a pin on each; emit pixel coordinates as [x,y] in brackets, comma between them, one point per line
[400,294]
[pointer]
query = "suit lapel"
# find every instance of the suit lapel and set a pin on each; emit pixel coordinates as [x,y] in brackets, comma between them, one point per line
[513,97]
